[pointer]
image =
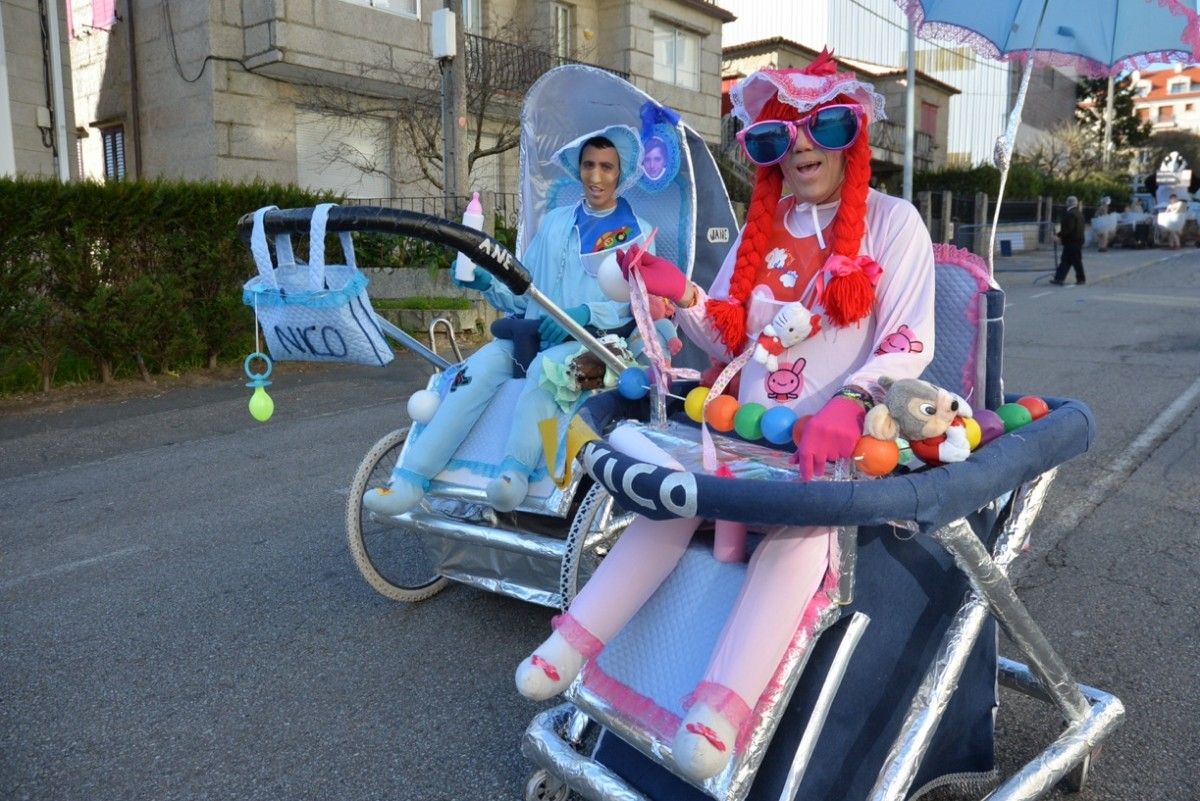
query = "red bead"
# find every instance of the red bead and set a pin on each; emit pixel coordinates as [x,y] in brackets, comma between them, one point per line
[1037,407]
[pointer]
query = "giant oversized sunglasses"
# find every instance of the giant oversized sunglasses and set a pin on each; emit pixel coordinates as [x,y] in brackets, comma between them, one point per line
[829,128]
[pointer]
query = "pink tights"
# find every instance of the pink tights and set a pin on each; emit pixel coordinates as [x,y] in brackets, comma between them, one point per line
[783,575]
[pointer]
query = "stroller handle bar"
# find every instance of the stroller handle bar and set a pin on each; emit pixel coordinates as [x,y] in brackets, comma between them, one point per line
[480,248]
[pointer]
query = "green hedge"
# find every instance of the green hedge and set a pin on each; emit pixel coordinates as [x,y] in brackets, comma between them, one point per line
[1024,183]
[132,277]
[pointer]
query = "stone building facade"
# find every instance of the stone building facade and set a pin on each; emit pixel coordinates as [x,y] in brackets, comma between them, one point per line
[316,92]
[30,143]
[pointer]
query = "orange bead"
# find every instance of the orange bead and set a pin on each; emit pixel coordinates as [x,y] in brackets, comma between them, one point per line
[720,412]
[798,429]
[876,457]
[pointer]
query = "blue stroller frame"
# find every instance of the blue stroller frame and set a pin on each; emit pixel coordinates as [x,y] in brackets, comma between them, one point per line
[893,692]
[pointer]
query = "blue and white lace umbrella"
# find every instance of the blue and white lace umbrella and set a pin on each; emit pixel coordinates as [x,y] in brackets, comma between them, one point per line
[1096,37]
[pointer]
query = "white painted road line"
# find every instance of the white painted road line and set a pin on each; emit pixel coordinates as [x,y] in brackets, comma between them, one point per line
[1123,466]
[69,566]
[1149,300]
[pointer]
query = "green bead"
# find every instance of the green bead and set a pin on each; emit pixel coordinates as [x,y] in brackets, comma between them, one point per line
[1014,416]
[748,421]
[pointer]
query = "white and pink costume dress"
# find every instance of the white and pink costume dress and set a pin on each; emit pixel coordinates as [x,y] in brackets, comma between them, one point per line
[895,339]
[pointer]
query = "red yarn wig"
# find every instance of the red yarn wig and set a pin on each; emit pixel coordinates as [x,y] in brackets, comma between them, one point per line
[849,223]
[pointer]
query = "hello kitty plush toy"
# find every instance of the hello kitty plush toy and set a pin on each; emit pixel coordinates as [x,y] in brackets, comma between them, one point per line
[792,325]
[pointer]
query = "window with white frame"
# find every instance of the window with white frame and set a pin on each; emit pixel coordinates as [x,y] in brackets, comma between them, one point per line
[676,56]
[472,14]
[1180,86]
[1141,89]
[563,30]
[405,8]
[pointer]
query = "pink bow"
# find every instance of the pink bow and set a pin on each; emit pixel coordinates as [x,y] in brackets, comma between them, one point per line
[838,265]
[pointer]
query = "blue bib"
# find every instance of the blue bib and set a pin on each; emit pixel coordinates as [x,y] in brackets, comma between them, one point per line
[602,232]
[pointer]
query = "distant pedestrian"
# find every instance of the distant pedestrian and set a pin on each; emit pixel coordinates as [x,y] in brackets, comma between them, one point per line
[1070,232]
[1104,227]
[1174,227]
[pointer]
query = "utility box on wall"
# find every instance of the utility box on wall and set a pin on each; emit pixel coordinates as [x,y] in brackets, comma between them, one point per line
[442,34]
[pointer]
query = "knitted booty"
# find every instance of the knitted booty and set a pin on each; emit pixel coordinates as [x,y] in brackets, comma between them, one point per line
[704,743]
[507,490]
[549,669]
[398,497]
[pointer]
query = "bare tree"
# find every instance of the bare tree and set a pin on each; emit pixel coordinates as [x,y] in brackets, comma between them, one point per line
[407,97]
[1068,152]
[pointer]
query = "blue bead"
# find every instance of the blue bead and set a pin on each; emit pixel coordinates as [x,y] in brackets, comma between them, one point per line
[633,383]
[777,425]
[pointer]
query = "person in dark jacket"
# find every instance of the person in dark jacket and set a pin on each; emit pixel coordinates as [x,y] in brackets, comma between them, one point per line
[1070,231]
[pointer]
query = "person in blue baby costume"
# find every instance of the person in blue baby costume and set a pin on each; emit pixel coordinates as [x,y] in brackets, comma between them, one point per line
[563,258]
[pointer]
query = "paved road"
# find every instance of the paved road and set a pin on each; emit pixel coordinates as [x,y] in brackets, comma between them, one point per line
[179,617]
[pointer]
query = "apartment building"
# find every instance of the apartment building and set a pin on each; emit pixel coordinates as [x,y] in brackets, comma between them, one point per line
[1169,98]
[37,128]
[887,136]
[875,32]
[345,94]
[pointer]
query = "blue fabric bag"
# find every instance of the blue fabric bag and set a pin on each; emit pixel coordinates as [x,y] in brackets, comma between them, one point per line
[313,312]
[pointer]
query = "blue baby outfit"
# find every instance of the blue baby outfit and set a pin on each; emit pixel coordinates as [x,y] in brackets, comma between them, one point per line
[564,269]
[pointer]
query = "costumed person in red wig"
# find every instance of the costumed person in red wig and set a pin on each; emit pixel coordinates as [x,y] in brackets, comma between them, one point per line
[817,241]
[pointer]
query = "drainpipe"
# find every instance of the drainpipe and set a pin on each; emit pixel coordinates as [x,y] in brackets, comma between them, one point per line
[8,154]
[135,113]
[63,162]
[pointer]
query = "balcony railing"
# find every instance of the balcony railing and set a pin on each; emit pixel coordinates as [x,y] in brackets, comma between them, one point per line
[888,135]
[507,67]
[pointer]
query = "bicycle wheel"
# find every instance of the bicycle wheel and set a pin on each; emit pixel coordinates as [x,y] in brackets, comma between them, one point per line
[389,554]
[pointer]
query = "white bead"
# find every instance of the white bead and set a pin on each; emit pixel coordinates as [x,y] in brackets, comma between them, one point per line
[423,405]
[612,283]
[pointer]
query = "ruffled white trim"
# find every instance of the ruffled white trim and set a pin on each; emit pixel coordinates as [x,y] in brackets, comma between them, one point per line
[818,90]
[1045,57]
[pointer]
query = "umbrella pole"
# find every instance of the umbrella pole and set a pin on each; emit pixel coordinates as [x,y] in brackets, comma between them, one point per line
[1003,155]
[1008,140]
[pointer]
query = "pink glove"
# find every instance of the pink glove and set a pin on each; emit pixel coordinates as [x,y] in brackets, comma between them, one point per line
[831,434]
[661,277]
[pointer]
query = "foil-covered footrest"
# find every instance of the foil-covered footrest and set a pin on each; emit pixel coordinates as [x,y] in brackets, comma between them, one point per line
[545,746]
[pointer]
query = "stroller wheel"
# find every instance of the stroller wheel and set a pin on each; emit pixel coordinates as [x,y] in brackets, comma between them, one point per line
[390,556]
[544,787]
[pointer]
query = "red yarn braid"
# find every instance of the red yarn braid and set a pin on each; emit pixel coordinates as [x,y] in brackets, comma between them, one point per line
[848,299]
[729,316]
[850,222]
